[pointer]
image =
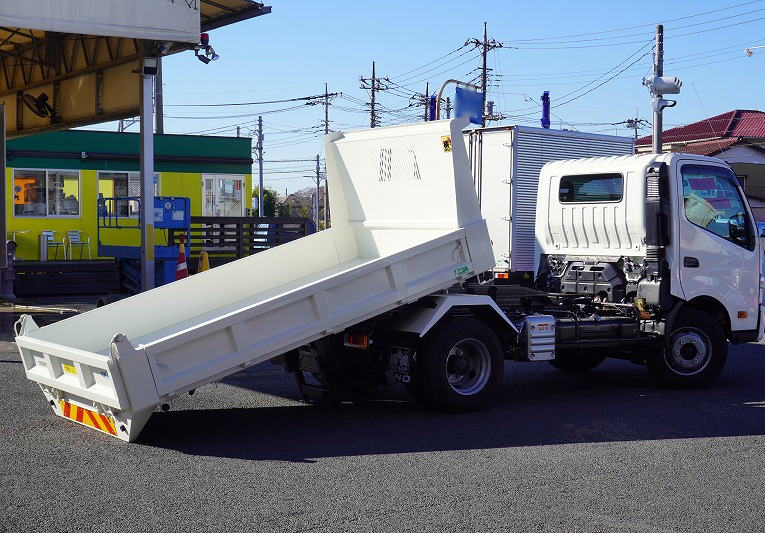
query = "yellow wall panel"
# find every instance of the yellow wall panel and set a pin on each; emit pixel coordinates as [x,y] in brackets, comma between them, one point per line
[121,88]
[28,228]
[78,97]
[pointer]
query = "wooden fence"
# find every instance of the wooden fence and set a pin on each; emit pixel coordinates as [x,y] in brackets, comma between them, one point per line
[228,238]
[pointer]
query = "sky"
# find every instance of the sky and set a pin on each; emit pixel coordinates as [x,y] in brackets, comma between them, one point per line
[591,56]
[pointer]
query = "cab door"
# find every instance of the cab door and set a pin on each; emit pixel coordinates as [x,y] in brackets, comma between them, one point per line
[716,250]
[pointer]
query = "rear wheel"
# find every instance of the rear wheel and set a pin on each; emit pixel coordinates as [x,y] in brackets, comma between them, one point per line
[696,353]
[459,366]
[576,363]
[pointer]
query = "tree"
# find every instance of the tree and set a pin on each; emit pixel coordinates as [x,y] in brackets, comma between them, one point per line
[269,201]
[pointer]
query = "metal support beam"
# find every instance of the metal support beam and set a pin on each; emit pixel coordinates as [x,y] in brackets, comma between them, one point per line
[147,182]
[658,70]
[3,217]
[260,168]
[159,101]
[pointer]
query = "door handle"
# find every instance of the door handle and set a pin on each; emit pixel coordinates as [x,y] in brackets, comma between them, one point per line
[690,262]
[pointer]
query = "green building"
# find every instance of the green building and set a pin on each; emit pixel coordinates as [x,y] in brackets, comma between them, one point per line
[54,180]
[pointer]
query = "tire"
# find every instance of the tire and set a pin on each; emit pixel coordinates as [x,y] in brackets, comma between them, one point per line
[459,366]
[696,353]
[576,363]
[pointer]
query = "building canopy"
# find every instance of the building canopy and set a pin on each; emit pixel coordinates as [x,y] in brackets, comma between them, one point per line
[67,63]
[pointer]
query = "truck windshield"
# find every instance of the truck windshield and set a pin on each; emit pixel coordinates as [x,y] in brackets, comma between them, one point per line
[713,202]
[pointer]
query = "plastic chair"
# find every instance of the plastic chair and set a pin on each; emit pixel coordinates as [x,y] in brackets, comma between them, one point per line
[52,242]
[75,238]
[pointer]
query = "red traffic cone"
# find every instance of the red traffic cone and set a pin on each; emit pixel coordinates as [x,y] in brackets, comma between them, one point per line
[182,270]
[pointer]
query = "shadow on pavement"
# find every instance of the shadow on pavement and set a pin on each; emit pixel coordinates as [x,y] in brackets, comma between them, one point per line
[538,406]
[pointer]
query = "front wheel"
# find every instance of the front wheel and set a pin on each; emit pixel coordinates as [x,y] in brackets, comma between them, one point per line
[696,353]
[459,366]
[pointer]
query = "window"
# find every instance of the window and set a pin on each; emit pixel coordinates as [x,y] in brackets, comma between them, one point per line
[713,202]
[122,185]
[591,188]
[41,193]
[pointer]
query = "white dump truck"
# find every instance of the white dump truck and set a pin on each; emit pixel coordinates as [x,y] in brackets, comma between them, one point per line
[650,258]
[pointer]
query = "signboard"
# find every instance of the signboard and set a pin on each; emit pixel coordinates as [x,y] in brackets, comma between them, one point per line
[157,20]
[468,103]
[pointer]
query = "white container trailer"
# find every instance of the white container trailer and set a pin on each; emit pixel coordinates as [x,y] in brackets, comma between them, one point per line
[506,162]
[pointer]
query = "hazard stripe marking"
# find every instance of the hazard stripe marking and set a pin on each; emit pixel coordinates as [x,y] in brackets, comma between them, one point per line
[94,420]
[108,424]
[89,418]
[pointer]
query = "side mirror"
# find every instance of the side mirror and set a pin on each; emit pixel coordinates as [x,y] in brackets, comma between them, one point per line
[737,227]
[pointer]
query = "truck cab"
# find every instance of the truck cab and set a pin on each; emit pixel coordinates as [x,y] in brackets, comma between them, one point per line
[667,232]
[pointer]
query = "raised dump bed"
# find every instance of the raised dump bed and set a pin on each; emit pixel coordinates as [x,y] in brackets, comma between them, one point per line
[405,223]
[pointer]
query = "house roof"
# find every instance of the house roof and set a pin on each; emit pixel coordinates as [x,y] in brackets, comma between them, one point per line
[734,124]
[707,147]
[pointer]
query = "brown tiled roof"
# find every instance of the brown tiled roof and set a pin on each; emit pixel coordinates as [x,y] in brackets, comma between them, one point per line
[737,123]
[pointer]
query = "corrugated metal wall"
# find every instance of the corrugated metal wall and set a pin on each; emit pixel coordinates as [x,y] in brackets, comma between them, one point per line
[532,148]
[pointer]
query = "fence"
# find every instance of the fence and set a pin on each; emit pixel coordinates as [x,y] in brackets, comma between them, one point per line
[228,238]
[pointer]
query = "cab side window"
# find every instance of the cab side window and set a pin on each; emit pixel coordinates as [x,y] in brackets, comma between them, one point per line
[713,201]
[591,188]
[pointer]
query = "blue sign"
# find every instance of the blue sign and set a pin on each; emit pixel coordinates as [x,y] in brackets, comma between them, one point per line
[469,103]
[432,108]
[546,110]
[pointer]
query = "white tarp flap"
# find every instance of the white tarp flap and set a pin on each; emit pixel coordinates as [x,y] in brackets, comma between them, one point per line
[159,20]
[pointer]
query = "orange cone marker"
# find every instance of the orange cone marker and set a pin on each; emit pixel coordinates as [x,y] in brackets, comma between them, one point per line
[182,270]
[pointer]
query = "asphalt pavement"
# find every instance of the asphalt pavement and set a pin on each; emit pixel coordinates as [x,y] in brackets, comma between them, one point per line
[604,451]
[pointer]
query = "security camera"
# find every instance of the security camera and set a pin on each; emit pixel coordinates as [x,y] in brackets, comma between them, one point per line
[164,48]
[663,84]
[204,46]
[203,58]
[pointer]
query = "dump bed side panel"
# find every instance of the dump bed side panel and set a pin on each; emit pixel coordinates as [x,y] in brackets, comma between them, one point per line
[187,360]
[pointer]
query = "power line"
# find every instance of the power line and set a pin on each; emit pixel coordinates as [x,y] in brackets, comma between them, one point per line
[298,99]
[651,24]
[430,62]
[671,29]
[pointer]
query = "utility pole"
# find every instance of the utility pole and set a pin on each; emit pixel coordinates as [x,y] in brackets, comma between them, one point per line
[373,85]
[658,71]
[159,100]
[326,110]
[425,103]
[373,113]
[633,123]
[318,190]
[326,198]
[659,85]
[486,45]
[448,107]
[326,132]
[260,166]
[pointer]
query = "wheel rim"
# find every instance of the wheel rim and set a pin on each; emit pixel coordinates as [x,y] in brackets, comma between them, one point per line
[468,367]
[690,351]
